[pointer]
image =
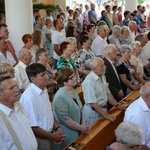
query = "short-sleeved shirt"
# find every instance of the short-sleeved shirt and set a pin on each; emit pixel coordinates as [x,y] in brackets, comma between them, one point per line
[58,38]
[95,89]
[9,58]
[36,103]
[98,46]
[92,13]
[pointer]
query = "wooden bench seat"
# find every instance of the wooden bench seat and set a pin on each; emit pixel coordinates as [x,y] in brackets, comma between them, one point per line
[102,132]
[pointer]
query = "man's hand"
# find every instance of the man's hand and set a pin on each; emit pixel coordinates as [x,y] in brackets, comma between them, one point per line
[109,117]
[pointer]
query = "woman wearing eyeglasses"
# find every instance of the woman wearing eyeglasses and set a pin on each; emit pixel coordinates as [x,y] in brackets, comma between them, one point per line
[128,137]
[68,107]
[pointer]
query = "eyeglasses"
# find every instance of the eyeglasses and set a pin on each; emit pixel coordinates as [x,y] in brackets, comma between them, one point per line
[132,147]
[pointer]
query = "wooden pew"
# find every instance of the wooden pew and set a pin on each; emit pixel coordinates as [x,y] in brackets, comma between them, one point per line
[102,132]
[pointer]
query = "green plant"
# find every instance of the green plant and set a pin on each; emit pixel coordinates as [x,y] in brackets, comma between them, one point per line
[44,6]
[140,1]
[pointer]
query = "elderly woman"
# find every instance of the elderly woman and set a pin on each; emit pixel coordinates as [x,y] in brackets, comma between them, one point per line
[76,56]
[6,69]
[126,70]
[68,107]
[124,36]
[129,136]
[113,39]
[136,62]
[27,40]
[65,59]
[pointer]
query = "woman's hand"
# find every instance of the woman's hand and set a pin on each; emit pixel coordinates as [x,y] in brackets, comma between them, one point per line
[84,128]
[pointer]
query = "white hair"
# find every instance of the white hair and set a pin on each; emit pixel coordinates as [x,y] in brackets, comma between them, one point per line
[94,62]
[130,133]
[108,49]
[70,39]
[134,44]
[124,28]
[131,23]
[123,48]
[116,29]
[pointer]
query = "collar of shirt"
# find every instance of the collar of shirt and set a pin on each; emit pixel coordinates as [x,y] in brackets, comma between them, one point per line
[8,110]
[112,62]
[144,105]
[94,76]
[22,64]
[102,38]
[37,89]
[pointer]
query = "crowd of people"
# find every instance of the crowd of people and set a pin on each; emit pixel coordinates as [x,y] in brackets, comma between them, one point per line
[105,52]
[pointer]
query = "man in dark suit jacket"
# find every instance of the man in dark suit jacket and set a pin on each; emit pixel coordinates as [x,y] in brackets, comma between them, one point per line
[111,73]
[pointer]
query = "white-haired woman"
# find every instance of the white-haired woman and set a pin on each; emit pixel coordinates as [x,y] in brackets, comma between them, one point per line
[124,36]
[129,136]
[126,71]
[113,39]
[136,62]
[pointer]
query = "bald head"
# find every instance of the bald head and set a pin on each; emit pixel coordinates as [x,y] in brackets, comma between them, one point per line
[97,66]
[145,90]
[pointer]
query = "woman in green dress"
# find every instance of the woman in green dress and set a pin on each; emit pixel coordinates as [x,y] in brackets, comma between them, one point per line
[68,107]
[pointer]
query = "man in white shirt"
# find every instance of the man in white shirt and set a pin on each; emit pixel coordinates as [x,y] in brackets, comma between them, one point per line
[17,117]
[132,30]
[36,102]
[139,112]
[21,78]
[96,93]
[100,42]
[5,56]
[58,37]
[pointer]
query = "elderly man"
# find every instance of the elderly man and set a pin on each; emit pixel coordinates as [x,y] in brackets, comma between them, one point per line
[5,56]
[20,73]
[15,130]
[139,112]
[100,42]
[111,74]
[132,29]
[142,39]
[36,102]
[96,93]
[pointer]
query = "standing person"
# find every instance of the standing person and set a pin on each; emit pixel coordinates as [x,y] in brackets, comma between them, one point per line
[15,117]
[99,43]
[119,13]
[5,56]
[109,15]
[96,93]
[48,31]
[20,73]
[68,107]
[138,112]
[58,37]
[4,32]
[111,74]
[92,16]
[36,102]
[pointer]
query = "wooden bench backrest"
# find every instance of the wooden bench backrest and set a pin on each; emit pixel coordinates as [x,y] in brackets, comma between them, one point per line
[102,132]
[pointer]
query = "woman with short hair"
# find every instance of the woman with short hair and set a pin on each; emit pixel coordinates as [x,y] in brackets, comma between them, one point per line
[68,107]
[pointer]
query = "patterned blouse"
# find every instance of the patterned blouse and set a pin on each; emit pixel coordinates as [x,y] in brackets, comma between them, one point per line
[63,62]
